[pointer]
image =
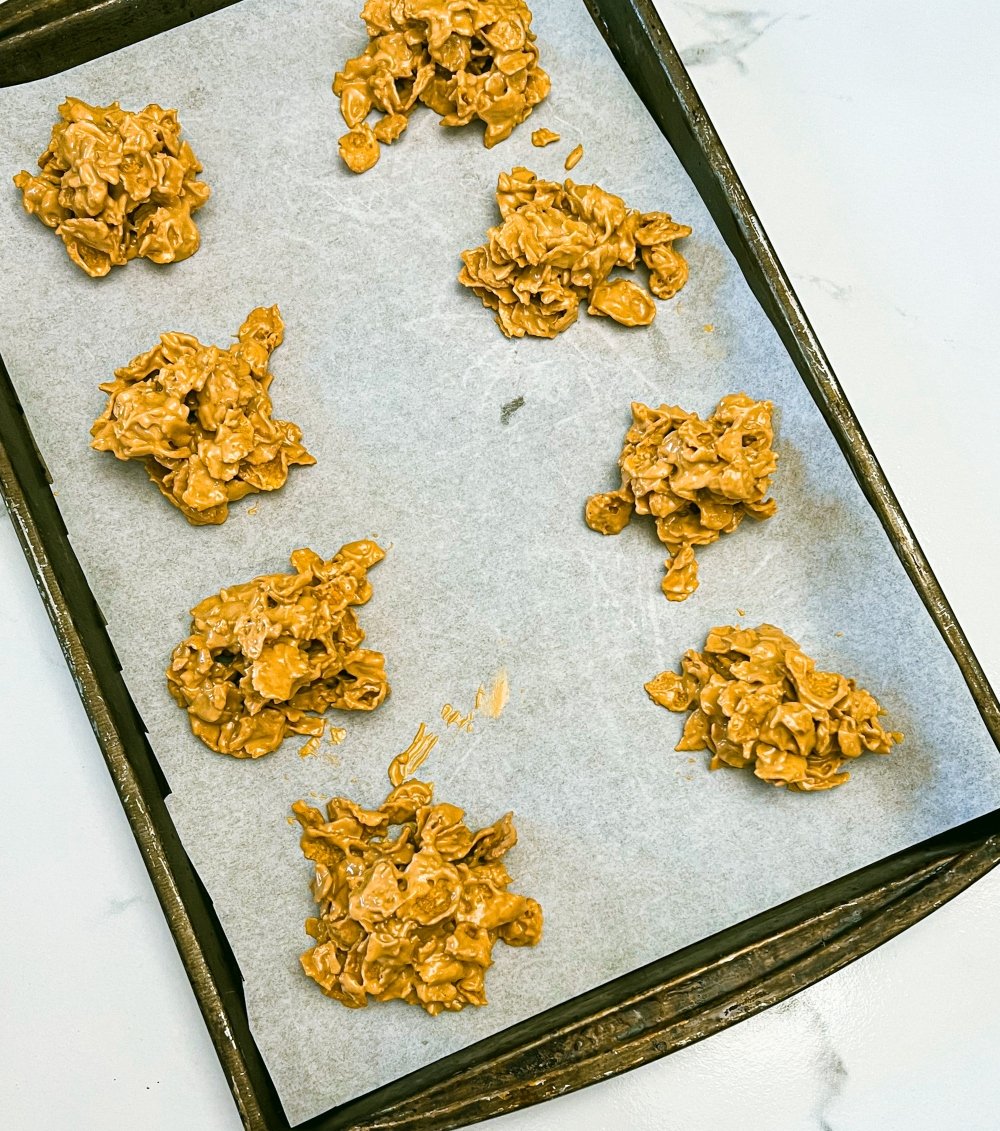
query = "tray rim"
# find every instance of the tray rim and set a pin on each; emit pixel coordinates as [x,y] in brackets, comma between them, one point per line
[647,1013]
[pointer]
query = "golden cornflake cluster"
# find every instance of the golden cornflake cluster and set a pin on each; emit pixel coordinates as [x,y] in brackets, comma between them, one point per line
[466,60]
[200,418]
[117,186]
[556,247]
[697,478]
[411,901]
[263,655]
[757,701]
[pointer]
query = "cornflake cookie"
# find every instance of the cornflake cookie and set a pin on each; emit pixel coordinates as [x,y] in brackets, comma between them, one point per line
[411,901]
[697,478]
[262,656]
[475,59]
[200,418]
[556,247]
[757,701]
[116,186]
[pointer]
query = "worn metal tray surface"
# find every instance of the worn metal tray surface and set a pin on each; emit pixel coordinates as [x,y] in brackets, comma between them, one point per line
[651,1011]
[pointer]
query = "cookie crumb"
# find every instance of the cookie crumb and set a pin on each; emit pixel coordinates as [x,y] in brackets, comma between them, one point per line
[543,136]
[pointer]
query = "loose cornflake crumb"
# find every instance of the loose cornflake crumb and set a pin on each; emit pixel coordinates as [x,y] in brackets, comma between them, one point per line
[758,702]
[543,136]
[411,901]
[697,478]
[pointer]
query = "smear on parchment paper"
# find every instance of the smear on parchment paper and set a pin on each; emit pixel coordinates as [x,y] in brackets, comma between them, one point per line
[307,749]
[498,695]
[454,718]
[490,702]
[413,757]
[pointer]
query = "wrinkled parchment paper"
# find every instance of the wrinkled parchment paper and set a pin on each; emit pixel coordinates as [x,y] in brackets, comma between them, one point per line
[398,377]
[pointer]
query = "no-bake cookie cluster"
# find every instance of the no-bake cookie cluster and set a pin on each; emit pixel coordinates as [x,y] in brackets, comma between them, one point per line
[116,186]
[698,479]
[757,702]
[411,900]
[266,658]
[199,417]
[556,248]
[469,61]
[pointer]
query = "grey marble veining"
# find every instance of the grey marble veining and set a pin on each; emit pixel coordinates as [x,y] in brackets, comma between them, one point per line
[725,35]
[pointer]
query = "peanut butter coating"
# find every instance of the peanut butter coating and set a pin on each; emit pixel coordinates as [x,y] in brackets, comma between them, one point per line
[697,478]
[543,136]
[758,702]
[265,659]
[200,418]
[470,60]
[555,248]
[411,901]
[116,186]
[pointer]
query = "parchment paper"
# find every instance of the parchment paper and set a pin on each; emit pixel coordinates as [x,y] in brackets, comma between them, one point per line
[397,376]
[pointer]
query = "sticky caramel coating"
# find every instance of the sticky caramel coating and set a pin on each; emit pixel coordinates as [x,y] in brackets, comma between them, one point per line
[697,478]
[411,901]
[200,418]
[359,149]
[556,247]
[475,59]
[266,658]
[757,701]
[117,186]
[544,136]
[408,761]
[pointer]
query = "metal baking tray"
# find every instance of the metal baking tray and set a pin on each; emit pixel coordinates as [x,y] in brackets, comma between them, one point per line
[651,1011]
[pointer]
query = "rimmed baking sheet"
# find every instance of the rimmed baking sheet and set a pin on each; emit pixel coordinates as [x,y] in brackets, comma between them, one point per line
[399,379]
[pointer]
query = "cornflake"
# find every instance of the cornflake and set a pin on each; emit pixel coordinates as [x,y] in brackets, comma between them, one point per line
[556,247]
[116,186]
[200,418]
[543,136]
[262,656]
[411,901]
[757,701]
[475,59]
[697,478]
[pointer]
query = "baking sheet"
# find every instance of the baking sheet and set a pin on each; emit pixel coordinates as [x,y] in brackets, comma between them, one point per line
[399,378]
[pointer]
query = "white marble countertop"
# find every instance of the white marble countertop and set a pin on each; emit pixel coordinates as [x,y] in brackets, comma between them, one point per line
[857,129]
